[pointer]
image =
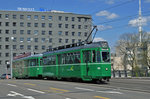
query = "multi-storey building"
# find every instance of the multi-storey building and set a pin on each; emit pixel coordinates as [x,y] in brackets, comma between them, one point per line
[24,31]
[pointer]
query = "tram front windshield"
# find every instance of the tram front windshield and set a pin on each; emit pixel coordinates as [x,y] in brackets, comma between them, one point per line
[105,57]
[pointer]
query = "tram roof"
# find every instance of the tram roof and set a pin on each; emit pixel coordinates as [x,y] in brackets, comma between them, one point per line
[36,55]
[92,45]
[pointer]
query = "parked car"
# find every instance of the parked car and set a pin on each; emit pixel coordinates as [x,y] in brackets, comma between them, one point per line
[3,76]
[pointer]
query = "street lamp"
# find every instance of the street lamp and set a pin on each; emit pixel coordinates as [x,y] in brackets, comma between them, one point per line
[11,58]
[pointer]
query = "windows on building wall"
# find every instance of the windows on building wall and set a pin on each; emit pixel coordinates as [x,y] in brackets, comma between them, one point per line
[50,32]
[36,17]
[21,16]
[6,16]
[50,17]
[50,25]
[14,23]
[28,17]
[43,17]
[59,32]
[14,16]
[35,24]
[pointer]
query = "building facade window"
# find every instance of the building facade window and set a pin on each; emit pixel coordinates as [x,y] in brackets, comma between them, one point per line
[79,19]
[0,15]
[79,26]
[73,40]
[21,39]
[29,47]
[14,16]
[73,33]
[43,17]
[6,16]
[73,18]
[50,32]
[50,25]
[14,24]
[7,31]
[15,39]
[79,33]
[21,32]
[66,40]
[59,32]
[59,25]
[28,31]
[6,54]
[66,18]
[7,39]
[60,18]
[36,32]
[36,40]
[43,47]
[14,46]
[21,24]
[60,40]
[6,46]
[43,39]
[50,17]
[43,32]
[66,33]
[21,46]
[66,25]
[21,16]
[35,24]
[85,34]
[29,39]
[28,17]
[36,17]
[50,40]
[36,47]
[43,25]
[73,26]
[28,24]
[7,24]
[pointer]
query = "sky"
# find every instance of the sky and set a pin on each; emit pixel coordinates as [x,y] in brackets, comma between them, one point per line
[112,17]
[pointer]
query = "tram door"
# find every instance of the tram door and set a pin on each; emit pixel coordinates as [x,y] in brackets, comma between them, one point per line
[59,63]
[87,59]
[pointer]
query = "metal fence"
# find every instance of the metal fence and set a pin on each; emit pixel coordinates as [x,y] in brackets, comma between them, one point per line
[131,73]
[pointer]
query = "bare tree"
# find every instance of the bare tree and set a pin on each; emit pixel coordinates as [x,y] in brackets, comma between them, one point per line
[134,52]
[126,47]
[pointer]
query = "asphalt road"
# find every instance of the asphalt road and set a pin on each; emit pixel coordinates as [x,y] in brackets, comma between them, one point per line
[47,89]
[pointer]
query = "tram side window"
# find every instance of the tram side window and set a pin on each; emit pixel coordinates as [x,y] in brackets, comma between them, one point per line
[49,60]
[86,56]
[98,57]
[93,56]
[71,58]
[106,56]
[33,62]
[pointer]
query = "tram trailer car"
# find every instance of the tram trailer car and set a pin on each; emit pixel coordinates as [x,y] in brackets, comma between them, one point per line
[90,62]
[27,66]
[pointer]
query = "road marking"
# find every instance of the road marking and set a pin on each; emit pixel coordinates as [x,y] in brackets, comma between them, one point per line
[84,89]
[54,91]
[36,91]
[11,85]
[14,94]
[115,92]
[30,84]
[59,89]
[101,97]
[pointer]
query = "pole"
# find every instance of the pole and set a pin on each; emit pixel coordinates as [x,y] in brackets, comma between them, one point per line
[140,23]
[11,59]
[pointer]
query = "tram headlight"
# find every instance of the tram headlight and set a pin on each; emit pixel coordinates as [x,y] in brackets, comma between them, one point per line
[106,69]
[98,68]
